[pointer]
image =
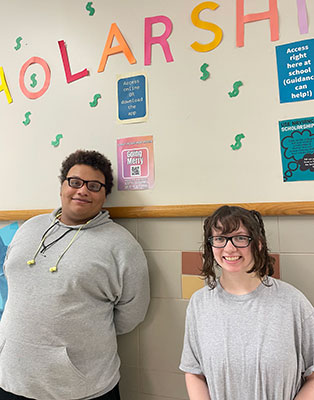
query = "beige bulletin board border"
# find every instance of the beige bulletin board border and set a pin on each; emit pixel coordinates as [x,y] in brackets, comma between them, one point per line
[173,211]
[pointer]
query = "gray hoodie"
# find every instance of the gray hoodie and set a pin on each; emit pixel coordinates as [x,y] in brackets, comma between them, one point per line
[58,330]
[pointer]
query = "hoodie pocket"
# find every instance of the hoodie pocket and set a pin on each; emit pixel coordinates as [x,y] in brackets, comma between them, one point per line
[40,372]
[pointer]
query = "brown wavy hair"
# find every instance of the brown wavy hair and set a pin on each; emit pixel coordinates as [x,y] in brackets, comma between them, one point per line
[227,219]
[92,158]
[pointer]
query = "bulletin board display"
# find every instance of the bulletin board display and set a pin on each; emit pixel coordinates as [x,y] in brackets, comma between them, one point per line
[212,86]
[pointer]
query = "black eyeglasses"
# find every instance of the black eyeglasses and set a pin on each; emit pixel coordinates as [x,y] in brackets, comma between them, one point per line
[76,183]
[240,241]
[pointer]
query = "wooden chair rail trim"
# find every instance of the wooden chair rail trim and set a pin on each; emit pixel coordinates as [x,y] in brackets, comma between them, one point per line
[173,211]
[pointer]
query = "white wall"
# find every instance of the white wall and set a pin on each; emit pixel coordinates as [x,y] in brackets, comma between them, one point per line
[193,122]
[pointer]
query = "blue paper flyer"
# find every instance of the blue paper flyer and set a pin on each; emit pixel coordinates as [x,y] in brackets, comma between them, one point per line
[132,98]
[296,71]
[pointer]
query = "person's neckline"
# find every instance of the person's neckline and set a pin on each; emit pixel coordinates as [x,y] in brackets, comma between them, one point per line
[77,226]
[240,297]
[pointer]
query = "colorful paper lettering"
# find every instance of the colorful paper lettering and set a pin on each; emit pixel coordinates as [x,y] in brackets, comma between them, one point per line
[206,25]
[162,40]
[4,86]
[242,19]
[42,62]
[302,16]
[122,47]
[68,74]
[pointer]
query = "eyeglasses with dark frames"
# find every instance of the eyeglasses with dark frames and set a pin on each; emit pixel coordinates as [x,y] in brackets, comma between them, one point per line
[76,183]
[239,241]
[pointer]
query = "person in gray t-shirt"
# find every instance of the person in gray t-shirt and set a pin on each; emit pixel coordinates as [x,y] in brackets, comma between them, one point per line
[248,336]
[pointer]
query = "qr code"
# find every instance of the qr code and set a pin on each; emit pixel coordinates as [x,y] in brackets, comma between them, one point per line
[135,170]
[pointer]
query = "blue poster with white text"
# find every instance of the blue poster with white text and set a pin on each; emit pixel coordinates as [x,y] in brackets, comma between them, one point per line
[132,99]
[295,75]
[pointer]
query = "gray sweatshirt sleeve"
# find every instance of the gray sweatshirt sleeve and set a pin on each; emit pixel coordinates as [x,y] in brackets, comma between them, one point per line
[131,306]
[308,345]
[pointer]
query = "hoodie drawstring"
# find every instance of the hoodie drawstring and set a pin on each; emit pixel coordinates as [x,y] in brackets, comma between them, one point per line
[54,223]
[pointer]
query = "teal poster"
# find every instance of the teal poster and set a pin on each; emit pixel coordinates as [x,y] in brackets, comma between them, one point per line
[6,235]
[297,149]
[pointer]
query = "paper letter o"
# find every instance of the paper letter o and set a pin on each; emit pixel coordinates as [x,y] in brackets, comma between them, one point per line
[34,60]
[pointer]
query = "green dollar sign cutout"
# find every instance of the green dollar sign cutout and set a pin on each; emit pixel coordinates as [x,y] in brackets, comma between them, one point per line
[95,102]
[205,73]
[235,91]
[90,8]
[33,79]
[18,43]
[27,120]
[238,143]
[56,142]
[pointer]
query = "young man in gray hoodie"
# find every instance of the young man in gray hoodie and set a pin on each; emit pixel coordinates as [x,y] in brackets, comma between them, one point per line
[76,280]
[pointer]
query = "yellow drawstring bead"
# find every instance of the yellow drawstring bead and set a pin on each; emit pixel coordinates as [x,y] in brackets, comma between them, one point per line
[53,269]
[31,262]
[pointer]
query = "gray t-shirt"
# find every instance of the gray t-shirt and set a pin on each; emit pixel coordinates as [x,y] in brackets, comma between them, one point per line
[257,346]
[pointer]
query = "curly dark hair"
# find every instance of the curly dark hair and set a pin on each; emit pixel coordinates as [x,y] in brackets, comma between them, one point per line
[92,158]
[228,219]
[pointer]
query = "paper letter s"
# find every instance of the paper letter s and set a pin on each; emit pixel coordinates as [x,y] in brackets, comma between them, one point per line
[206,25]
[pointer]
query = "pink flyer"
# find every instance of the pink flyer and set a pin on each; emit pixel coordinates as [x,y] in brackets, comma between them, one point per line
[135,163]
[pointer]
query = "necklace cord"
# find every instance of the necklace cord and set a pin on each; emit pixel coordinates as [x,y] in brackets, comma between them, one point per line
[44,237]
[55,268]
[54,223]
